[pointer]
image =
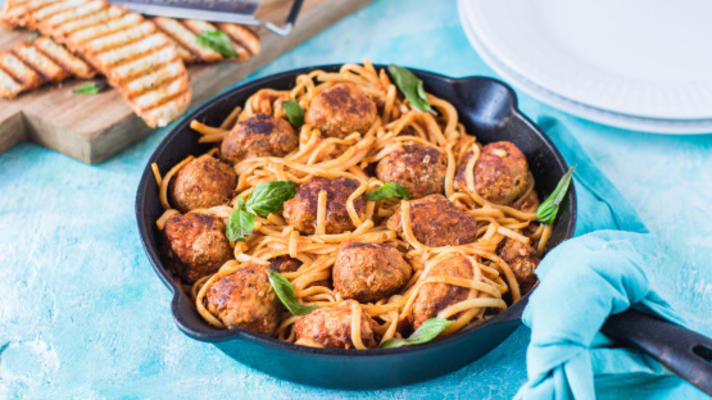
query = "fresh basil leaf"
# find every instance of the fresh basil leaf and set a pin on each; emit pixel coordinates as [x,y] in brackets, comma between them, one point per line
[295,113]
[410,86]
[428,331]
[91,88]
[268,197]
[286,294]
[240,225]
[218,41]
[387,191]
[547,210]
[33,37]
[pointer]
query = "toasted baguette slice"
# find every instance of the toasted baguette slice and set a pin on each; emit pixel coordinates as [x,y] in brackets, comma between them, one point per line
[106,21]
[9,88]
[62,57]
[243,36]
[183,53]
[48,69]
[30,64]
[21,72]
[137,59]
[81,11]
[186,38]
[197,27]
[17,12]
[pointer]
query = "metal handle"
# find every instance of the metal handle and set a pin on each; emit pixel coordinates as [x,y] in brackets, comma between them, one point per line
[289,22]
[685,352]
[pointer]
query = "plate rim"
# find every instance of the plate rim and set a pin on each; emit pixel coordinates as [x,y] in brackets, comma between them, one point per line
[611,118]
[468,17]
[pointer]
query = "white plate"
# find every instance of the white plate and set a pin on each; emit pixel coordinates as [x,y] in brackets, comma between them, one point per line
[648,58]
[600,114]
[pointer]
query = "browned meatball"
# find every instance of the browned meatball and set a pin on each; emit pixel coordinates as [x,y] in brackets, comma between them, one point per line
[501,173]
[259,136]
[528,202]
[435,221]
[522,258]
[288,264]
[284,264]
[300,212]
[196,244]
[435,297]
[245,299]
[340,110]
[419,168]
[331,327]
[369,271]
[202,183]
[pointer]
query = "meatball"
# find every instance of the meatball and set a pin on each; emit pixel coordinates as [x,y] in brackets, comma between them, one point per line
[244,298]
[522,258]
[259,136]
[368,271]
[331,327]
[285,264]
[300,211]
[418,167]
[435,222]
[288,264]
[202,183]
[528,202]
[435,297]
[340,110]
[501,173]
[196,244]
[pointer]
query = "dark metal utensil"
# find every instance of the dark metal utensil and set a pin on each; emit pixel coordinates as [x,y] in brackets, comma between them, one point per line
[684,352]
[232,11]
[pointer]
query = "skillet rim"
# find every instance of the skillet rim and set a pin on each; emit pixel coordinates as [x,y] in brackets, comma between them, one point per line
[509,315]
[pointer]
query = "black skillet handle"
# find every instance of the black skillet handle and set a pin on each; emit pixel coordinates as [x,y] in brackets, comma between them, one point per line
[685,352]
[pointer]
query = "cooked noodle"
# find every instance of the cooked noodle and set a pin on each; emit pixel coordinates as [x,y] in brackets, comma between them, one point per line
[493,283]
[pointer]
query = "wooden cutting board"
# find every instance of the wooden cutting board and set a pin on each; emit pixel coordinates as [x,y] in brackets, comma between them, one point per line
[93,128]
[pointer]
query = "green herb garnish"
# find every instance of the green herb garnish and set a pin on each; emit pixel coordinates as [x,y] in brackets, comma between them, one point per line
[267,198]
[286,294]
[91,88]
[33,37]
[218,41]
[387,191]
[240,224]
[428,331]
[547,210]
[295,113]
[410,86]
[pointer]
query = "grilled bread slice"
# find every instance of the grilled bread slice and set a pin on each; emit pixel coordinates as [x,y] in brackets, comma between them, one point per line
[27,77]
[185,32]
[47,69]
[243,36]
[121,45]
[64,58]
[186,38]
[197,27]
[9,87]
[30,64]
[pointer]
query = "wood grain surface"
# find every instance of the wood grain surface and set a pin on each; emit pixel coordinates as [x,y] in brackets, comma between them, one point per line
[93,128]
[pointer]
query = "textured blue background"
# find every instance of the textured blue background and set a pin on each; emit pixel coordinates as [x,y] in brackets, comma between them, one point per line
[82,314]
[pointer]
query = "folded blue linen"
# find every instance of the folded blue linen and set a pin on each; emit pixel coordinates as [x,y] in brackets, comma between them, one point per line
[584,280]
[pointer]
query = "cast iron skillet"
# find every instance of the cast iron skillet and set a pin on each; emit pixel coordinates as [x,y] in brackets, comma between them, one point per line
[488,108]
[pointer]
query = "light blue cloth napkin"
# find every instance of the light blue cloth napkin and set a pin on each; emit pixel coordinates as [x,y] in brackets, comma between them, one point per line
[584,280]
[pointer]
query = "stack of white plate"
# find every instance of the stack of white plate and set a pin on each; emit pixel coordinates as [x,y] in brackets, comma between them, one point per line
[636,64]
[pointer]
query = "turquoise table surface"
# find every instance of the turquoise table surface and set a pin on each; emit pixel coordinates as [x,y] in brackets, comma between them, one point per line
[83,316]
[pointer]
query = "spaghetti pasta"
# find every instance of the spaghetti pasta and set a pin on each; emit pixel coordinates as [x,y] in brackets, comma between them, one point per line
[492,283]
